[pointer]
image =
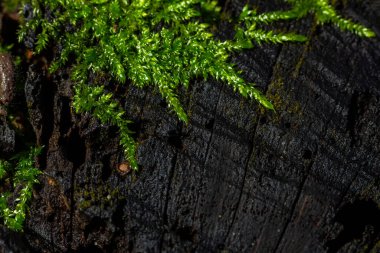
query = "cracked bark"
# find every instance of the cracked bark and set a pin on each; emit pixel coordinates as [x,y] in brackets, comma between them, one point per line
[235,179]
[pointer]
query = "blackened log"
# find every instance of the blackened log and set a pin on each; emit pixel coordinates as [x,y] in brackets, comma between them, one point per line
[236,178]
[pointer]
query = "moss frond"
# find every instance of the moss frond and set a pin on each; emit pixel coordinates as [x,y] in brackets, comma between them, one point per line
[24,176]
[95,100]
[160,43]
[326,13]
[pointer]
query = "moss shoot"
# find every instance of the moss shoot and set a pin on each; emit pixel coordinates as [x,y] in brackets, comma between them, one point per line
[160,43]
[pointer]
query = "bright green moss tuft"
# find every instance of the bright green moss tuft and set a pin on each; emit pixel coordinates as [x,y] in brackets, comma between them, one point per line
[22,176]
[160,43]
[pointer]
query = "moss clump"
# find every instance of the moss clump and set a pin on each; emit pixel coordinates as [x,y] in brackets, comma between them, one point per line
[160,43]
[20,178]
[96,194]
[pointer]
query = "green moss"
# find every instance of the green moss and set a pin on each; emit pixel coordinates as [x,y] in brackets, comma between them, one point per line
[21,176]
[95,195]
[158,43]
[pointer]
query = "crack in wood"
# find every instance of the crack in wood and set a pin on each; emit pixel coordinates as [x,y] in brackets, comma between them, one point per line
[241,190]
[208,150]
[165,221]
[294,205]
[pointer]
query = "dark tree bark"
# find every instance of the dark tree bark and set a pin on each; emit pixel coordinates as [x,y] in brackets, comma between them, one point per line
[236,178]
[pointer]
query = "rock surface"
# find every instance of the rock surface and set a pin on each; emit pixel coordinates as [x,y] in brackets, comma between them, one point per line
[236,178]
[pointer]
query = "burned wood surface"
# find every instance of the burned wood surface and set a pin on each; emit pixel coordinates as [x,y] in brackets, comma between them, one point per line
[236,178]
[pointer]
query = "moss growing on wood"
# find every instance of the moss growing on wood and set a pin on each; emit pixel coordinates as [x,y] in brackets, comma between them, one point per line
[158,43]
[18,178]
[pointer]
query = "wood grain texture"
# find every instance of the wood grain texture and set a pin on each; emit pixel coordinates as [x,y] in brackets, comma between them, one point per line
[236,178]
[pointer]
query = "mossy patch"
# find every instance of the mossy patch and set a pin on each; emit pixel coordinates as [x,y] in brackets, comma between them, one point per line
[154,42]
